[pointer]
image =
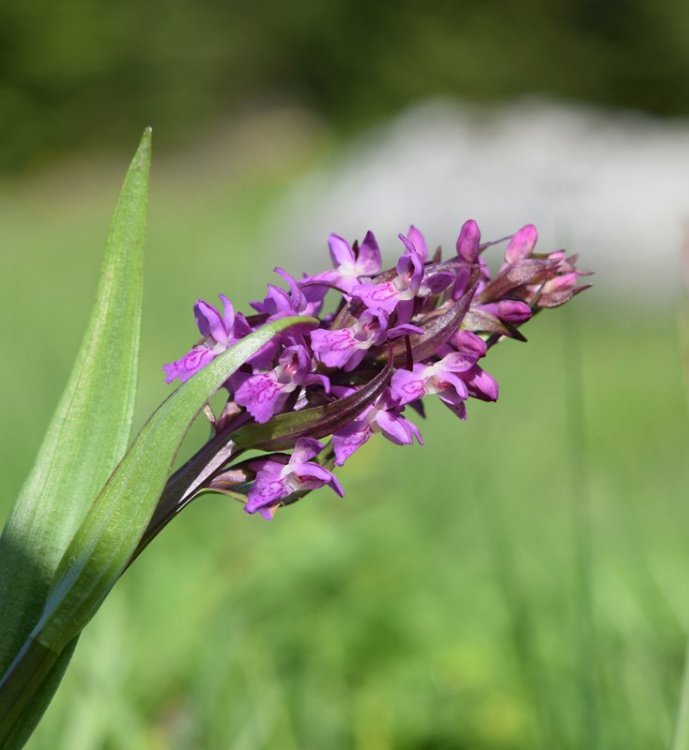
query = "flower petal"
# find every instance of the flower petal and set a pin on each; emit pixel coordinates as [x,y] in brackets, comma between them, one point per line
[340,251]
[468,241]
[522,244]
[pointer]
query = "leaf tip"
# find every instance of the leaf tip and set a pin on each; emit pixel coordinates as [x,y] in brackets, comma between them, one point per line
[143,152]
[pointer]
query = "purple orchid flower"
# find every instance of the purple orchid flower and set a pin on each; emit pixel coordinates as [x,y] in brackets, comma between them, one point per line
[469,249]
[481,384]
[384,416]
[264,393]
[280,475]
[193,361]
[219,333]
[561,289]
[416,330]
[453,378]
[350,263]
[278,303]
[522,244]
[416,239]
[511,311]
[468,242]
[346,347]
[387,295]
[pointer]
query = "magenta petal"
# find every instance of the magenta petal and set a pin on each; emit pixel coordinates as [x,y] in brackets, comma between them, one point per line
[316,379]
[276,301]
[369,261]
[265,492]
[348,440]
[260,395]
[295,363]
[189,365]
[469,344]
[459,361]
[355,359]
[313,474]
[378,296]
[272,466]
[418,241]
[468,241]
[482,385]
[268,513]
[333,348]
[513,311]
[340,251]
[409,269]
[459,409]
[297,299]
[455,383]
[394,428]
[434,283]
[227,313]
[334,483]
[405,310]
[209,322]
[305,449]
[415,431]
[407,385]
[522,244]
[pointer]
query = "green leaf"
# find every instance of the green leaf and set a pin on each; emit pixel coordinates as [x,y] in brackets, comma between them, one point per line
[90,429]
[106,539]
[117,520]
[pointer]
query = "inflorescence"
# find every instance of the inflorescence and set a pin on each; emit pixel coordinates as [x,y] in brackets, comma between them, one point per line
[394,337]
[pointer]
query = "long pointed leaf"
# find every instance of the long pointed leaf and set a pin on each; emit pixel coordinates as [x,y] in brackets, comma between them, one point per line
[113,527]
[106,539]
[79,450]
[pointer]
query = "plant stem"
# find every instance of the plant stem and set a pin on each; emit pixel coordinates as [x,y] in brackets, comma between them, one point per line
[19,686]
[182,486]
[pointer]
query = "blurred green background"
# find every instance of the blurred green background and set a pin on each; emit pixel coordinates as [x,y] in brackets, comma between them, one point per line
[518,582]
[78,73]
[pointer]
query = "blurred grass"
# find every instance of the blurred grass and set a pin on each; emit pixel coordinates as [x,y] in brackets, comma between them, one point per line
[436,605]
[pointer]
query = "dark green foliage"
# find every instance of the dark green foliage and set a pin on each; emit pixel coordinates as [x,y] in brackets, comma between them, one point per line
[83,71]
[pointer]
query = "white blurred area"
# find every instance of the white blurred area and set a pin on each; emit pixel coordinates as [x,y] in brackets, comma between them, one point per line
[612,186]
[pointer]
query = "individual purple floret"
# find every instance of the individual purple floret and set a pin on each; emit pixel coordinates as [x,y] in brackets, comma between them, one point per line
[387,295]
[351,263]
[448,377]
[265,393]
[394,337]
[384,416]
[280,475]
[219,333]
[279,303]
[468,242]
[346,347]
